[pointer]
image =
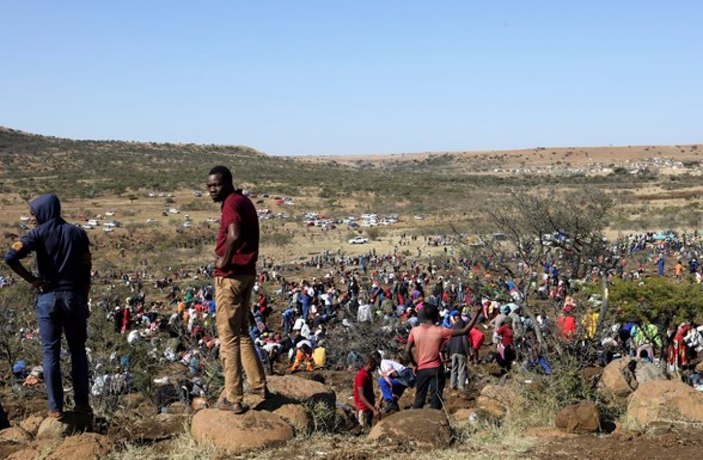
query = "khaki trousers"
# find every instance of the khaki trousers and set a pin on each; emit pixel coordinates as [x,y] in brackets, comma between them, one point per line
[232,299]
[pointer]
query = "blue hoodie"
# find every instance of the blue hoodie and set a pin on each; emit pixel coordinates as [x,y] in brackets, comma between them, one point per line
[63,249]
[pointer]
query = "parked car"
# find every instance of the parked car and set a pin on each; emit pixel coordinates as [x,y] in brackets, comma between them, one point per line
[358,240]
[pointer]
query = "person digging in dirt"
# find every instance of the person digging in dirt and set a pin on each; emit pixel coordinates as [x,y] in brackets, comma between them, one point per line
[393,381]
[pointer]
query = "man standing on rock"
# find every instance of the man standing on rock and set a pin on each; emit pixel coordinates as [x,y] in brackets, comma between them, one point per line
[236,252]
[63,284]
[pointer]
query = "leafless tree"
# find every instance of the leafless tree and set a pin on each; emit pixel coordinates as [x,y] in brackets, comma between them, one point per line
[520,231]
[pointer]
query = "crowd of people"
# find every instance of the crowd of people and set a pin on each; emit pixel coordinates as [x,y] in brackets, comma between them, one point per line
[440,316]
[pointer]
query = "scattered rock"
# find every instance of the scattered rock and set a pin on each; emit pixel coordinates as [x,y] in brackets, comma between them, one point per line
[15,434]
[296,415]
[498,401]
[665,401]
[240,433]
[580,418]
[419,428]
[83,446]
[618,380]
[70,423]
[31,424]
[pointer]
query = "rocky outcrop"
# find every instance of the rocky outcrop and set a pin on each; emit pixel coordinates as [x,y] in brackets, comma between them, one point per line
[418,428]
[622,376]
[240,433]
[665,401]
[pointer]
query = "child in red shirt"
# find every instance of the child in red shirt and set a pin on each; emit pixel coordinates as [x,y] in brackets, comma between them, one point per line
[364,398]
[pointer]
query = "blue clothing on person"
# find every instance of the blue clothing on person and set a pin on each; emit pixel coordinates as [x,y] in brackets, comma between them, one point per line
[63,249]
[64,264]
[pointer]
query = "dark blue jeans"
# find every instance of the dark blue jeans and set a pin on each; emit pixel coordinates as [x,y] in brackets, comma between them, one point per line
[63,311]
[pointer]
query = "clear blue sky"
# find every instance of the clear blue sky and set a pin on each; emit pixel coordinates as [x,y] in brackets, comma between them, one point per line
[332,77]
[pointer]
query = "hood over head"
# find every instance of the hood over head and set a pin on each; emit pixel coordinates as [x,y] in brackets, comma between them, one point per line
[45,207]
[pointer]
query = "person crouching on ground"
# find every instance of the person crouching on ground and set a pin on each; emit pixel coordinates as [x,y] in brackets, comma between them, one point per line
[364,398]
[303,354]
[427,340]
[393,381]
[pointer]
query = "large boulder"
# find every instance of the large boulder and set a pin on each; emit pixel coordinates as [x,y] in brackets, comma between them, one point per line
[665,401]
[580,418]
[498,401]
[298,390]
[618,380]
[418,428]
[240,433]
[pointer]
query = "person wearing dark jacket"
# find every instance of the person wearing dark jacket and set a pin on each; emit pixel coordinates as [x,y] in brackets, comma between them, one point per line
[62,282]
[457,349]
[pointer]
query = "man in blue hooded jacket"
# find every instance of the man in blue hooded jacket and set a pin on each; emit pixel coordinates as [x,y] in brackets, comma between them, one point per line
[63,263]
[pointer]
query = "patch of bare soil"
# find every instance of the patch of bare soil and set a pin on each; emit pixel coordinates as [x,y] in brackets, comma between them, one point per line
[670,442]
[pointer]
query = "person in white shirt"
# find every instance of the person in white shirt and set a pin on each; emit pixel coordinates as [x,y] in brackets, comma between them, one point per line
[393,381]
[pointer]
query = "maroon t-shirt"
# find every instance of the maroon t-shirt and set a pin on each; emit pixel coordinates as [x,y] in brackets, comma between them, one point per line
[239,209]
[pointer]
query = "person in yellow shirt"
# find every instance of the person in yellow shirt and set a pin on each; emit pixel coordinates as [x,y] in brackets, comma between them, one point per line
[590,324]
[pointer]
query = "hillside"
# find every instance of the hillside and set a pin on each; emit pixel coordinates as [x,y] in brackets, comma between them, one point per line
[653,184]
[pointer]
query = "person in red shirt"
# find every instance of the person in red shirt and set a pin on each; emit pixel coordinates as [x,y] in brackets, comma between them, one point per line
[566,323]
[476,339]
[505,353]
[236,252]
[427,340]
[364,398]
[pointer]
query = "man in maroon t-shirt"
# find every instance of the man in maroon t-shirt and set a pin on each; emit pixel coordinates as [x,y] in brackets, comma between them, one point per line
[236,251]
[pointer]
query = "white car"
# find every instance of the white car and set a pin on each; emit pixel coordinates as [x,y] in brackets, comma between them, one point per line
[151,221]
[358,240]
